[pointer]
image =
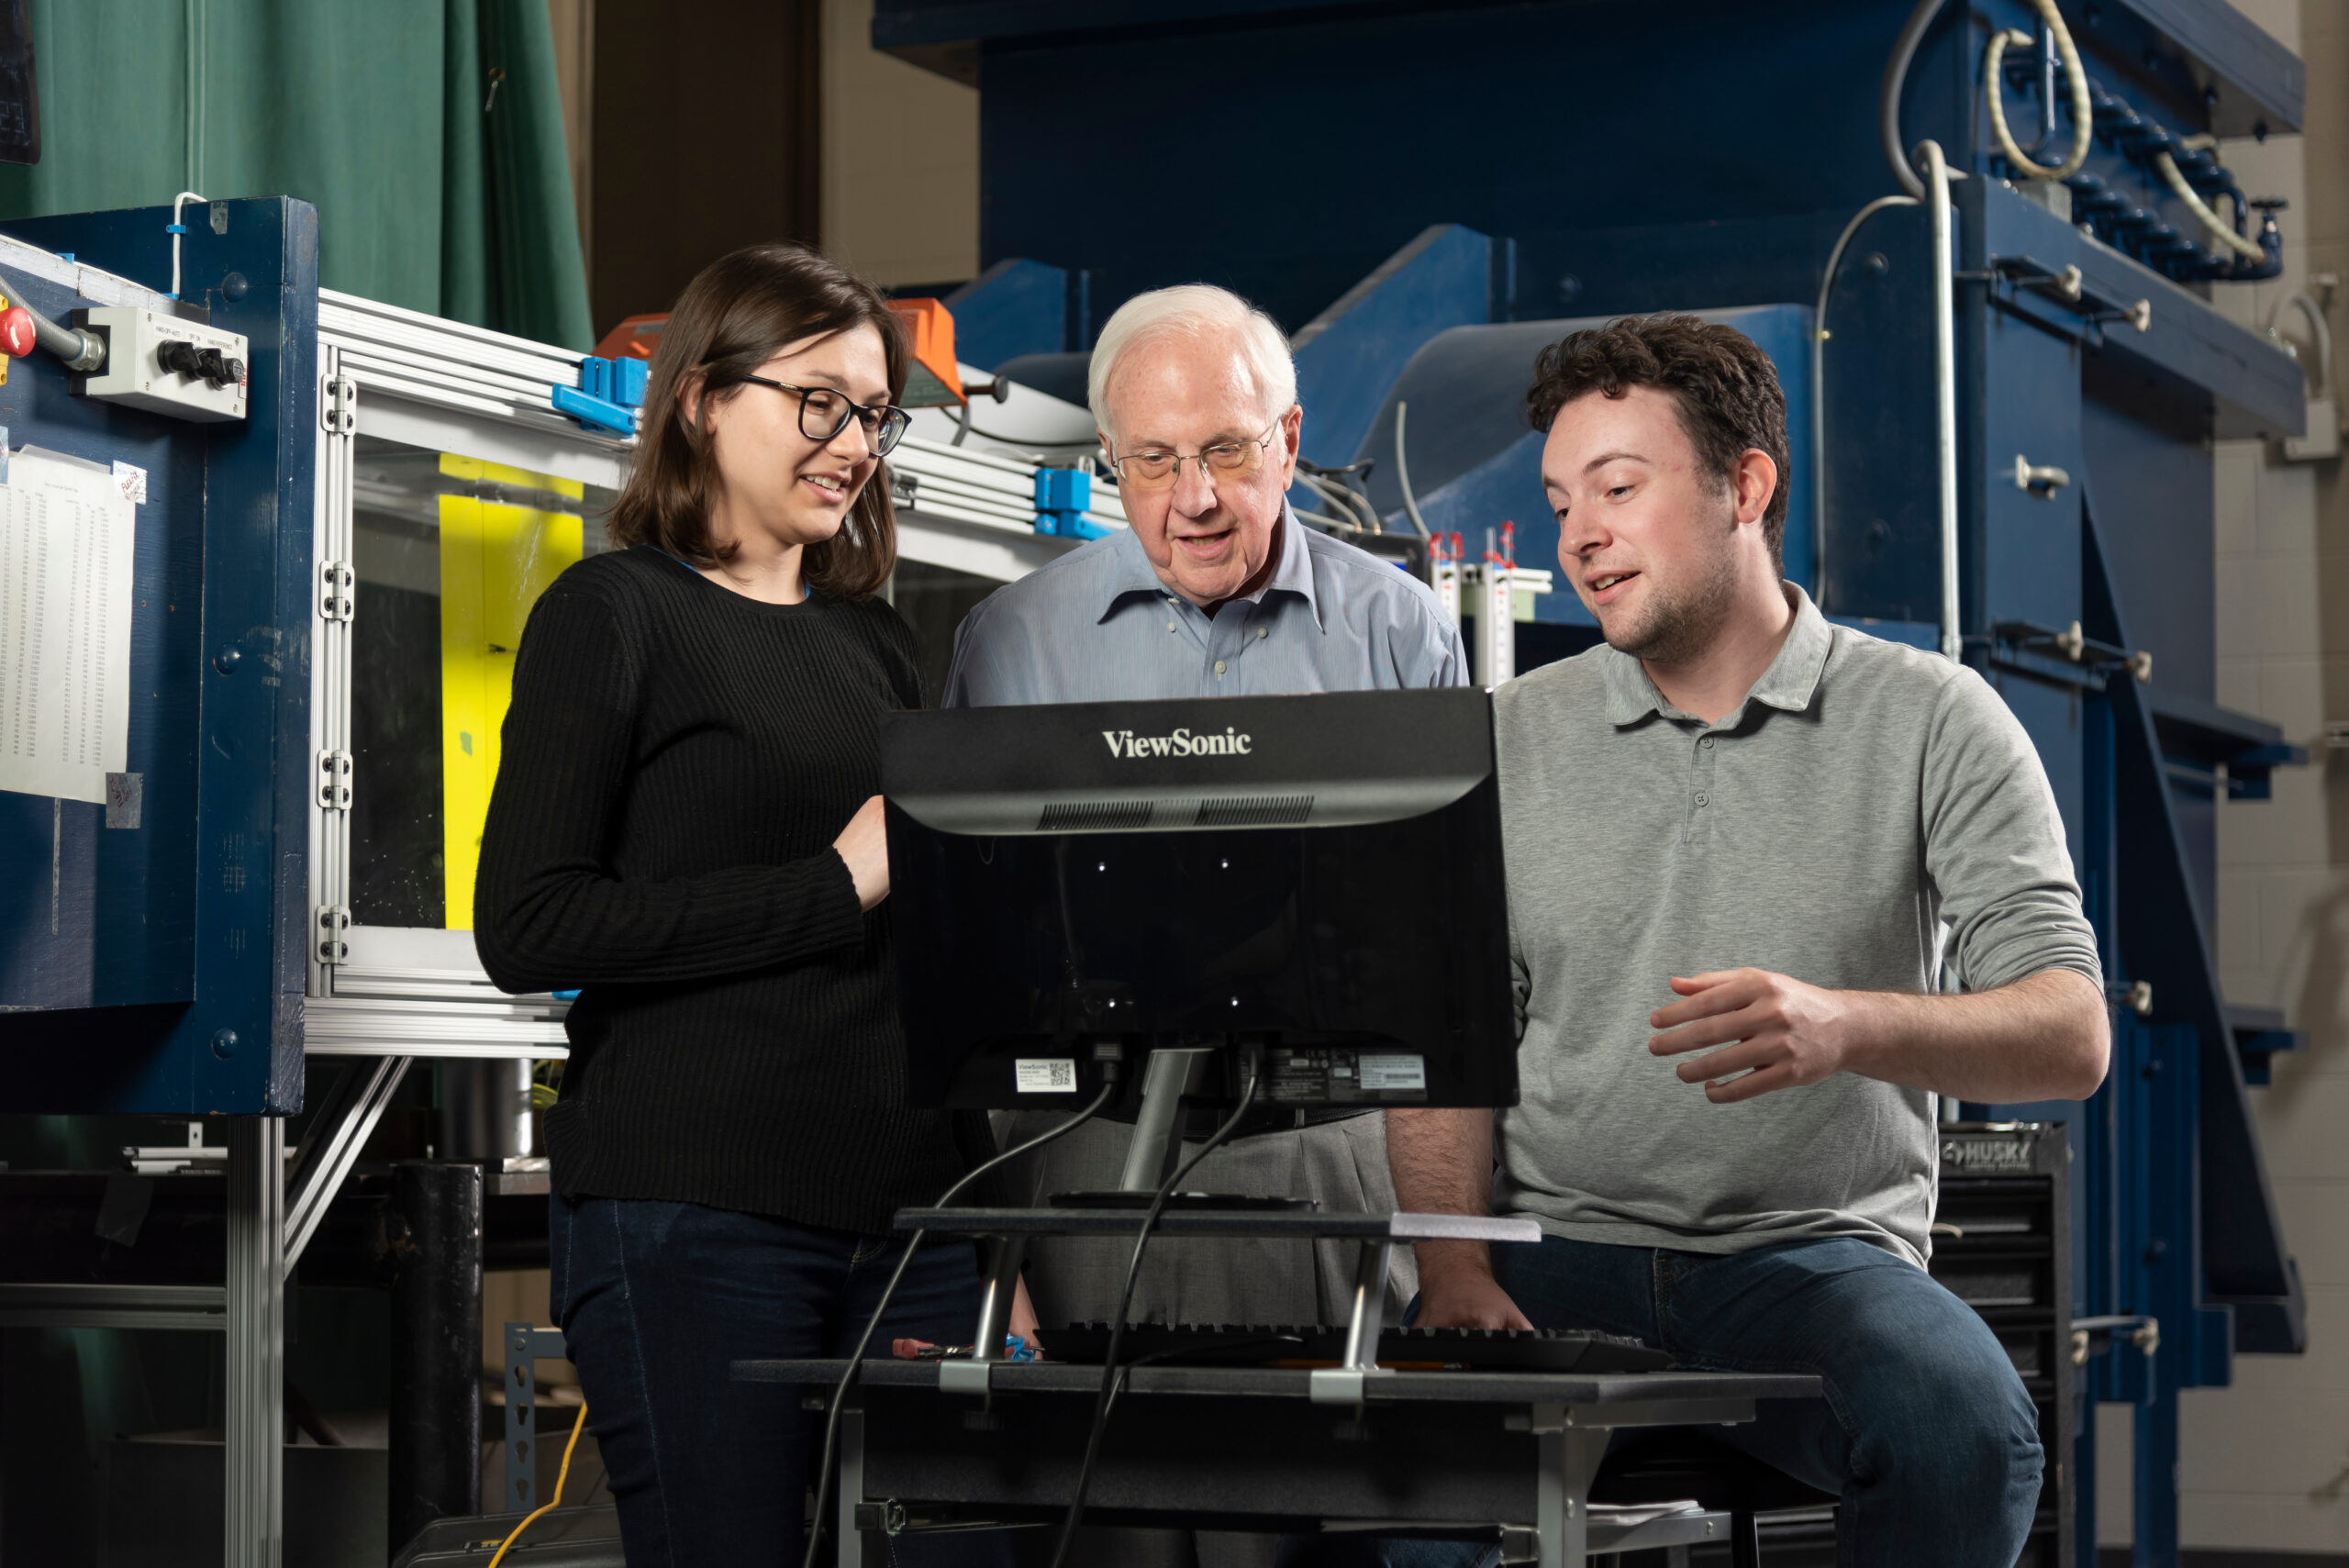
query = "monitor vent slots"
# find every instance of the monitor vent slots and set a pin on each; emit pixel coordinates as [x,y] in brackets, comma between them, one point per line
[1134,815]
[1095,817]
[1256,811]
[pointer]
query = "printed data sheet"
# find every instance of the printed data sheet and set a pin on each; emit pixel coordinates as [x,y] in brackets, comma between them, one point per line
[66,534]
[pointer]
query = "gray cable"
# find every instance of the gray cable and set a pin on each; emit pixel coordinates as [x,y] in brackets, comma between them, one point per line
[1352,511]
[856,1357]
[1403,474]
[80,350]
[1895,76]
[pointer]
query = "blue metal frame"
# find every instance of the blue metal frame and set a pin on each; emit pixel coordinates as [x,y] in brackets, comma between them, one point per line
[1714,169]
[198,918]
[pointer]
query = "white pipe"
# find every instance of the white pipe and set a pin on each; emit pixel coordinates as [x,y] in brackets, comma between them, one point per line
[2250,249]
[2083,120]
[2322,334]
[179,226]
[1819,383]
[1945,385]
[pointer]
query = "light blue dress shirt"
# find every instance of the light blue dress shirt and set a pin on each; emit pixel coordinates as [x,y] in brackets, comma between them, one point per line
[1097,626]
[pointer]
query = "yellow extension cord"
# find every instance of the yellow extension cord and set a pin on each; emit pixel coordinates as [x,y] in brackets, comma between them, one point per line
[560,1476]
[2082,119]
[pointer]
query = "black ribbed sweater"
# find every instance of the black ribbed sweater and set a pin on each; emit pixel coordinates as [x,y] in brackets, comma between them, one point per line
[676,762]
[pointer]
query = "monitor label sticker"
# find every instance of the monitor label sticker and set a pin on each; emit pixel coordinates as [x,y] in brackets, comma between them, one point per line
[1046,1074]
[1394,1073]
[1341,1075]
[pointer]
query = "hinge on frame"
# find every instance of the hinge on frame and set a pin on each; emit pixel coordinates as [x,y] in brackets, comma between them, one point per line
[332,923]
[334,780]
[337,585]
[339,405]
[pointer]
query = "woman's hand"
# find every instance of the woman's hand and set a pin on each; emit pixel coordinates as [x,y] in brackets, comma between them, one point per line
[864,845]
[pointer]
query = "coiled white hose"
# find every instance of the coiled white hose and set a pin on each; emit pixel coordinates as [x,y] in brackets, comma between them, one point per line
[2250,249]
[2082,121]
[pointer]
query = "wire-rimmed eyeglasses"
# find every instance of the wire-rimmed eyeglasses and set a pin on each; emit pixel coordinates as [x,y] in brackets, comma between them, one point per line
[825,411]
[1155,468]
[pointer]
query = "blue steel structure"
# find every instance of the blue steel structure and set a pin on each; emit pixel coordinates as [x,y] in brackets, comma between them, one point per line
[159,967]
[1465,181]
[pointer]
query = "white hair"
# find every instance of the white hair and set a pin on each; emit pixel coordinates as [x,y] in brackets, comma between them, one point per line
[1196,310]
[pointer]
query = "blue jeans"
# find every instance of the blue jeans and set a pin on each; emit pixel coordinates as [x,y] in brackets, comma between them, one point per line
[656,1301]
[1925,1434]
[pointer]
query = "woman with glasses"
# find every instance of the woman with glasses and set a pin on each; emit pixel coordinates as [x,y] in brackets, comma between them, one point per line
[685,826]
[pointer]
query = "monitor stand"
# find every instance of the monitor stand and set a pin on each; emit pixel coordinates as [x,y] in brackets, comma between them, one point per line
[1157,1146]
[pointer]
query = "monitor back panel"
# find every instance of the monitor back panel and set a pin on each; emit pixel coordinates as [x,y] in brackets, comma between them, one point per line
[1368,955]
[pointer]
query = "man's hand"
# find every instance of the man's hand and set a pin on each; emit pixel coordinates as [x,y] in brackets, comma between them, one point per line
[1457,1289]
[1779,1032]
[1023,1313]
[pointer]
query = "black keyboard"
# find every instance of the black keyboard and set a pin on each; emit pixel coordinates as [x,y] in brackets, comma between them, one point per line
[1455,1350]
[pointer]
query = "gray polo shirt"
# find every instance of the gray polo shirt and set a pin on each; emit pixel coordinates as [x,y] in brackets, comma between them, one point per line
[1868,814]
[1098,626]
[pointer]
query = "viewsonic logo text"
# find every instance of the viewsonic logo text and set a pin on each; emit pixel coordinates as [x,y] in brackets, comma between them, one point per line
[1181,743]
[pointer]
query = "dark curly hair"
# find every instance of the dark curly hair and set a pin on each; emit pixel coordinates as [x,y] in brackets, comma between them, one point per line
[1724,386]
[731,320]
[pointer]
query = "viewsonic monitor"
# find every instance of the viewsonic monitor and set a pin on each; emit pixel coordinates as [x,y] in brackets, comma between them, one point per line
[1316,876]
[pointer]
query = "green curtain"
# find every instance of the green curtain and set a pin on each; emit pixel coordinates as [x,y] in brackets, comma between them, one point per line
[428,133]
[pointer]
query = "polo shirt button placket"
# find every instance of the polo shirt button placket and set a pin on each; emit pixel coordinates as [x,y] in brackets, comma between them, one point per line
[1700,784]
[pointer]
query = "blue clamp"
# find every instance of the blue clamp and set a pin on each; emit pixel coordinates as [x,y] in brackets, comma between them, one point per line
[608,390]
[596,413]
[1063,494]
[627,381]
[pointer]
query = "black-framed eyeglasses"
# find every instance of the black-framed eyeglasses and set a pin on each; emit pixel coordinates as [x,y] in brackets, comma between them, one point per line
[824,413]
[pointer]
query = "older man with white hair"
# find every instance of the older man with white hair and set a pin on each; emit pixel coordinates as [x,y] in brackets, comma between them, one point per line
[1216,589]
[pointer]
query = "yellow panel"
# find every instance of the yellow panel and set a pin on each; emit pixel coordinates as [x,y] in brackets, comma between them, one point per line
[456,467]
[496,561]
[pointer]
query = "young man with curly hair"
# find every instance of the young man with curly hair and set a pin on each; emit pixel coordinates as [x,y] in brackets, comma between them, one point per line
[1775,889]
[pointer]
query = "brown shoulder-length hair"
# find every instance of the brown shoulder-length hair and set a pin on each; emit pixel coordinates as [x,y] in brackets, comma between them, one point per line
[737,315]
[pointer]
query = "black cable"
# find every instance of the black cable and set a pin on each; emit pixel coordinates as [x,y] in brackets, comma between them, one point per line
[1110,1369]
[1110,1076]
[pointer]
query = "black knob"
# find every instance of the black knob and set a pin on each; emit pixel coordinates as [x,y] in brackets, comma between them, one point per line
[210,365]
[236,369]
[179,359]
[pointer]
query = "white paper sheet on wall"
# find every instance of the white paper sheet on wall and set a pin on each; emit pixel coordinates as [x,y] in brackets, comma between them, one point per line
[66,536]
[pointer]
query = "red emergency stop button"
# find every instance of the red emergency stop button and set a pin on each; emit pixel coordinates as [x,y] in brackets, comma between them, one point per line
[17,335]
